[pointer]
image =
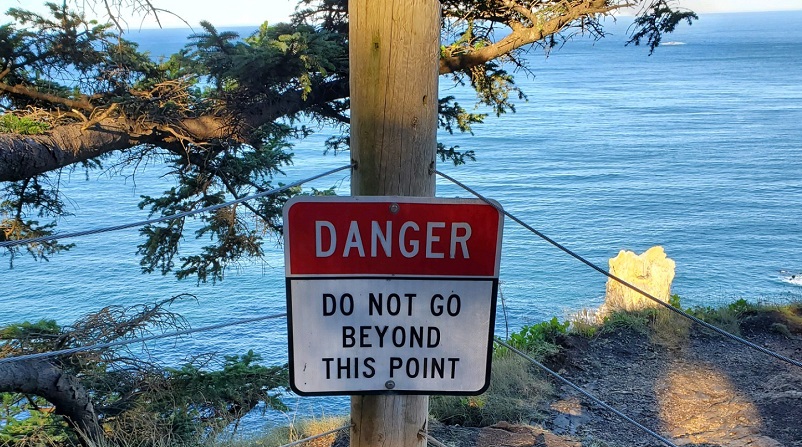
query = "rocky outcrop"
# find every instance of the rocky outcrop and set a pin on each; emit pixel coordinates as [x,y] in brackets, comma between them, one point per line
[651,272]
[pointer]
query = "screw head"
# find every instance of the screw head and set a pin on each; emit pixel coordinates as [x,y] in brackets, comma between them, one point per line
[394,208]
[389,384]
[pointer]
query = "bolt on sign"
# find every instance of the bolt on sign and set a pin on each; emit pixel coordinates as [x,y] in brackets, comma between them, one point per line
[391,294]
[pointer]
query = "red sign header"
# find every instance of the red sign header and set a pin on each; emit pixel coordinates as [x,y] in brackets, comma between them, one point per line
[391,236]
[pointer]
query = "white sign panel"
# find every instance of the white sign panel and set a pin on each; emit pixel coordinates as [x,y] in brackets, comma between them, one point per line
[413,335]
[391,294]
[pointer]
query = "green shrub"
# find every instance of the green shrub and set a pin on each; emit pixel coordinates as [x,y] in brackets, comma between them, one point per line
[21,125]
[29,420]
[741,307]
[724,317]
[530,337]
[674,301]
[138,401]
[537,340]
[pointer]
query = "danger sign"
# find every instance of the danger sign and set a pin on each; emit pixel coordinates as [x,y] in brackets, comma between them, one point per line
[391,294]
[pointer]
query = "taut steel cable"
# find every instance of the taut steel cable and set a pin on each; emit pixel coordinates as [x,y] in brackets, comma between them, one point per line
[625,283]
[588,395]
[41,355]
[170,217]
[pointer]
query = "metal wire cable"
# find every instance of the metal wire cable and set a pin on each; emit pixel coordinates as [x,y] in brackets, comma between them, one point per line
[319,435]
[586,394]
[41,355]
[625,283]
[172,216]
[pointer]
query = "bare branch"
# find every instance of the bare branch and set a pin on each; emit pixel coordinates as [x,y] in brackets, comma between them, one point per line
[524,35]
[21,90]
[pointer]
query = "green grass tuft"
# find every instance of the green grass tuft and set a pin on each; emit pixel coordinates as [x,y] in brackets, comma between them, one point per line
[21,125]
[639,321]
[516,391]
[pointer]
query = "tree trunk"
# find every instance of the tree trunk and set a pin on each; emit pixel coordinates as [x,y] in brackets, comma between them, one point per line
[394,55]
[64,391]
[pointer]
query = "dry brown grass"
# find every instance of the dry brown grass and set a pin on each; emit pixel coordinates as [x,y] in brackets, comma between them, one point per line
[296,431]
[516,392]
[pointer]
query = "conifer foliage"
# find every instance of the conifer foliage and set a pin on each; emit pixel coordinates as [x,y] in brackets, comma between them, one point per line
[222,114]
[220,117]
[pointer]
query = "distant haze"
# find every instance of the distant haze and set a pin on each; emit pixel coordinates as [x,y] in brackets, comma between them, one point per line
[243,12]
[703,6]
[235,12]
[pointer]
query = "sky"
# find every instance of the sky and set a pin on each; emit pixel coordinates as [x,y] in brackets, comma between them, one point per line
[250,12]
[235,12]
[708,6]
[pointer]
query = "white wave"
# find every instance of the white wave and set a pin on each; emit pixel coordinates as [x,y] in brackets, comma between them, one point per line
[672,43]
[792,279]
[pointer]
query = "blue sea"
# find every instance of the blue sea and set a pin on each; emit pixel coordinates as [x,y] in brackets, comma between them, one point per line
[697,148]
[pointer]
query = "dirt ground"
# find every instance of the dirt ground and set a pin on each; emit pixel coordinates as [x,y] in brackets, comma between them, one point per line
[704,390]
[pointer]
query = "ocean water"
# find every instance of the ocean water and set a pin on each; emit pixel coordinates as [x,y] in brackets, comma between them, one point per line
[697,148]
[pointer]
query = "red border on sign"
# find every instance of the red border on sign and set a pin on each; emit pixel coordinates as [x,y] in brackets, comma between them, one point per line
[391,236]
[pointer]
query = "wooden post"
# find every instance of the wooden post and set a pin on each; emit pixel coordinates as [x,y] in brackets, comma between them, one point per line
[394,49]
[394,59]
